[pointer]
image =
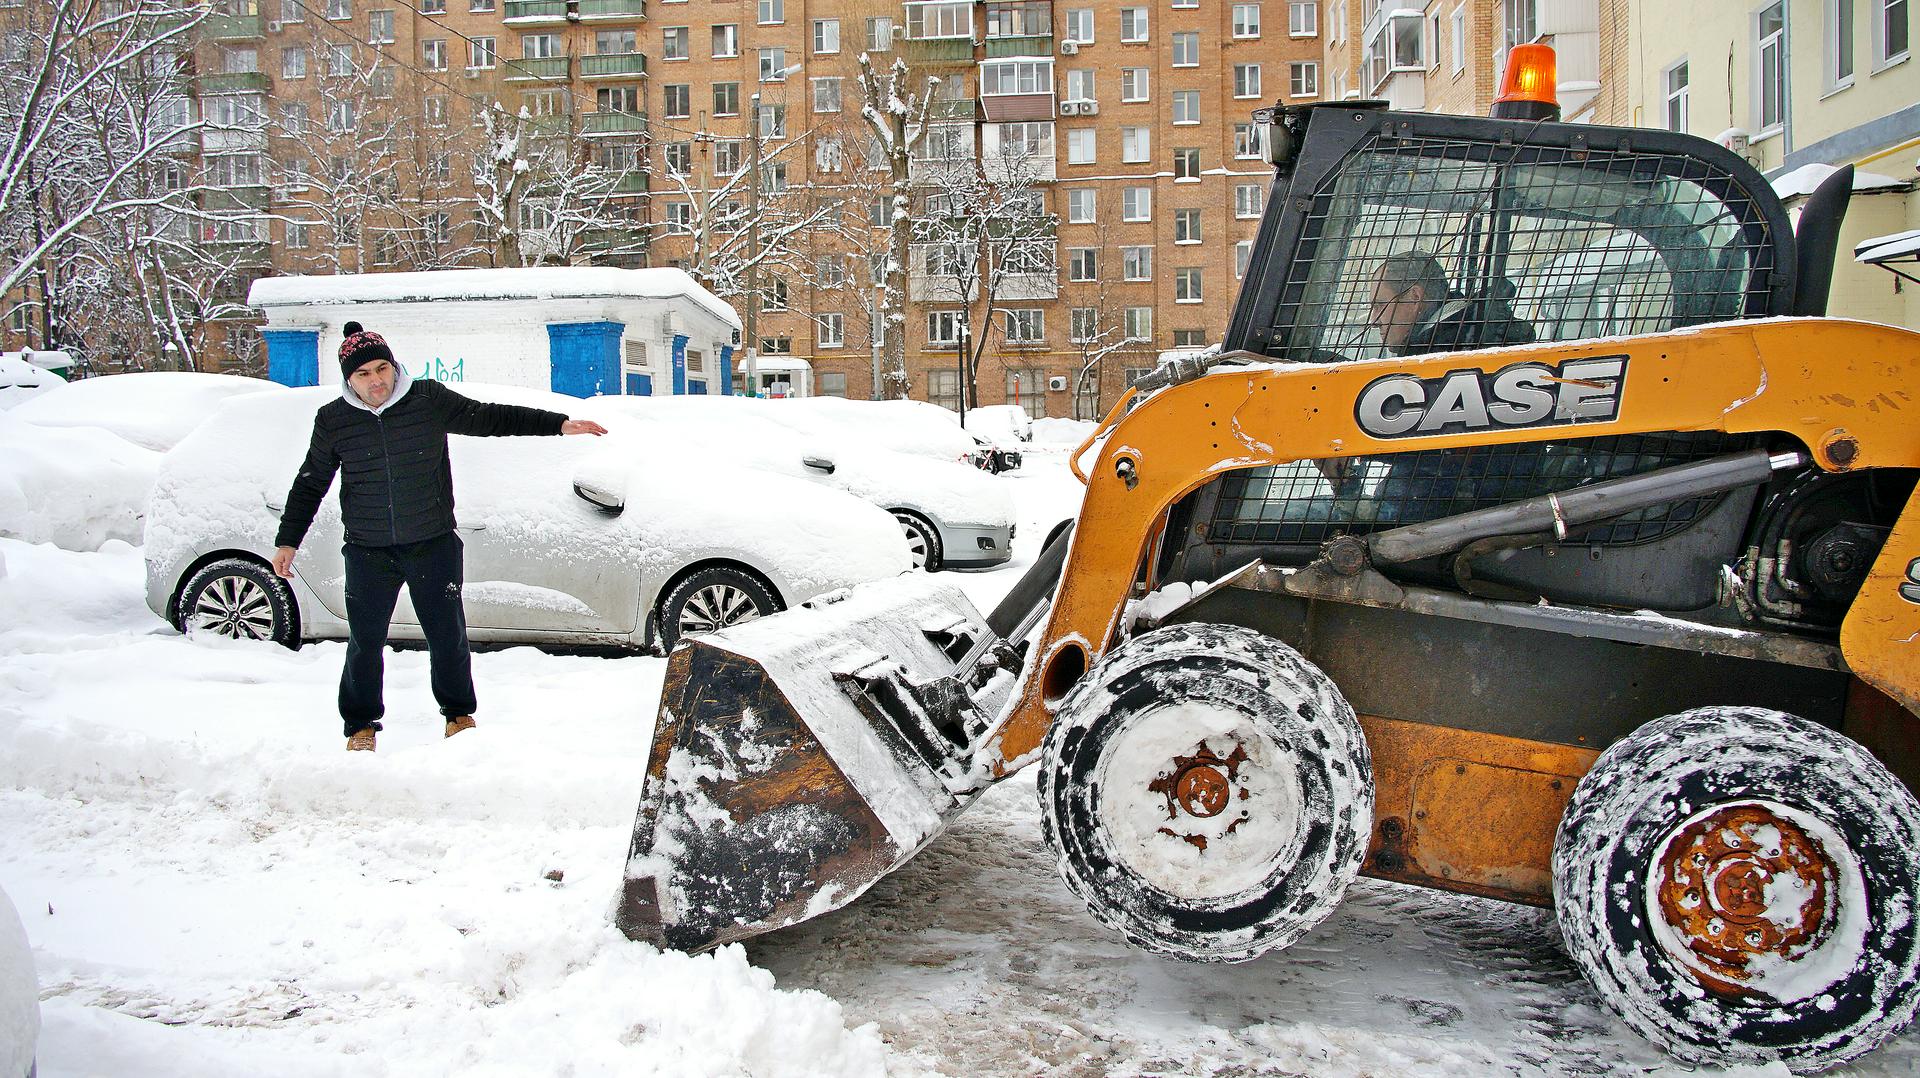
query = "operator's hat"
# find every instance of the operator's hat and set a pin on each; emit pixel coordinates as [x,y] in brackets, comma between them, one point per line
[361,346]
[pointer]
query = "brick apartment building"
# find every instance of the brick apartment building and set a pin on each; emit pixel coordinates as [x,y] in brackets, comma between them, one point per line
[1131,121]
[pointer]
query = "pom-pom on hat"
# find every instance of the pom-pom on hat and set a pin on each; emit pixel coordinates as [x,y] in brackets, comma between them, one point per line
[360,347]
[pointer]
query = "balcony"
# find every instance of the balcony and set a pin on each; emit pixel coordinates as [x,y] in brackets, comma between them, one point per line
[1027,45]
[532,12]
[232,82]
[937,50]
[612,10]
[613,65]
[1027,286]
[951,110]
[633,182]
[235,200]
[231,27]
[613,123]
[941,288]
[234,140]
[544,69]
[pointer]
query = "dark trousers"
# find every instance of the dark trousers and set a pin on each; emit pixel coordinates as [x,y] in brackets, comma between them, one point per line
[432,571]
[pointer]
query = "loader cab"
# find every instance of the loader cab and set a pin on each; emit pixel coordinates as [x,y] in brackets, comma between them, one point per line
[1542,232]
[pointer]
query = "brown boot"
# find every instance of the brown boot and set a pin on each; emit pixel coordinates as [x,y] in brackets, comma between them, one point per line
[361,741]
[459,723]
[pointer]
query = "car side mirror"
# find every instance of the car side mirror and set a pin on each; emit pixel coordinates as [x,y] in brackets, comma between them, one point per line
[819,464]
[608,503]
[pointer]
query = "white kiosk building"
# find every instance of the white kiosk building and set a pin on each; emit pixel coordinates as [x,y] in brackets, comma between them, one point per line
[580,330]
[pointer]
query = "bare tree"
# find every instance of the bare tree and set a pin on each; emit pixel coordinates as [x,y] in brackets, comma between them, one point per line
[895,113]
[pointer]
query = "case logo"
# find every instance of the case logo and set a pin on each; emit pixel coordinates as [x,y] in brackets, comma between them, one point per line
[1522,395]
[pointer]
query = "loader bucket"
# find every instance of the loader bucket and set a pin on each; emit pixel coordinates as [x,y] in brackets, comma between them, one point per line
[801,757]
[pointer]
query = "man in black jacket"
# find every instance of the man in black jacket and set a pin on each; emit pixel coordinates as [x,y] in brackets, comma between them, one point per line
[387,436]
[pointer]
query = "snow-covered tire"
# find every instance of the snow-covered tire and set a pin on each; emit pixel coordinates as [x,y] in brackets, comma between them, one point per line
[240,599]
[923,540]
[710,600]
[1739,886]
[1208,792]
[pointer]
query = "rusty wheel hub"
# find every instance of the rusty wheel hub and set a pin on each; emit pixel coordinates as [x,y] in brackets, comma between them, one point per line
[1201,787]
[1738,887]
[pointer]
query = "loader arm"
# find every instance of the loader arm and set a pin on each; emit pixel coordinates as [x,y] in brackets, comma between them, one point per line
[1844,390]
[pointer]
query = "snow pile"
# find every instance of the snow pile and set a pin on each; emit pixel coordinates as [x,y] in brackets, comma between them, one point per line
[19,993]
[74,488]
[1063,432]
[153,409]
[22,381]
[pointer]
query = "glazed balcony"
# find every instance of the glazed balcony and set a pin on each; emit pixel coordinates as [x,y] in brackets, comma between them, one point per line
[613,65]
[543,69]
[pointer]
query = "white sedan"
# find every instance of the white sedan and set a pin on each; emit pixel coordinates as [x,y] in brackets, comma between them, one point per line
[568,540]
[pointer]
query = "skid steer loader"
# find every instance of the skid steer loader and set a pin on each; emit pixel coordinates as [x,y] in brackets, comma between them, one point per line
[1596,587]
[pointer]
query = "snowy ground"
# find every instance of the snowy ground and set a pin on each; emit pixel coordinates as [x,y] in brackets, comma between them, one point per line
[213,888]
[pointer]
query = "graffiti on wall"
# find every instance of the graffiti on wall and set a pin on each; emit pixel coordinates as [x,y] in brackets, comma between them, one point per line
[439,370]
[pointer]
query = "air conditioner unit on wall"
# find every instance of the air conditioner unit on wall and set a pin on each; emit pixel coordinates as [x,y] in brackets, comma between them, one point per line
[1089,108]
[1057,383]
[1069,108]
[273,26]
[1069,48]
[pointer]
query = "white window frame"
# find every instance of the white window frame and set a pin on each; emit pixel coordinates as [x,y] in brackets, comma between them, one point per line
[949,321]
[1031,322]
[1136,145]
[1136,84]
[1187,41]
[1189,286]
[1303,79]
[1186,107]
[826,37]
[1136,262]
[675,43]
[1303,18]
[773,63]
[1082,206]
[1837,38]
[770,12]
[1082,146]
[1135,29]
[1459,44]
[1138,323]
[1883,58]
[1083,264]
[1246,80]
[726,35]
[1136,204]
[832,86]
[1246,22]
[1187,227]
[951,20]
[1249,200]
[1083,324]
[1777,42]
[1030,76]
[832,330]
[1079,26]
[1676,96]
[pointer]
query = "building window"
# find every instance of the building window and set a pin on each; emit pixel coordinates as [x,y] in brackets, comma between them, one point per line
[1136,144]
[1892,32]
[726,99]
[1186,49]
[776,346]
[480,5]
[293,11]
[826,95]
[1079,85]
[1248,200]
[1016,77]
[1242,255]
[1026,325]
[1083,324]
[1303,80]
[773,64]
[299,235]
[1186,286]
[673,43]
[1136,263]
[1246,80]
[925,21]
[481,54]
[1249,141]
[1246,20]
[1083,264]
[727,157]
[615,43]
[1839,44]
[1136,204]
[1770,65]
[832,332]
[943,327]
[1186,106]
[539,46]
[1138,323]
[433,7]
[773,121]
[1189,338]
[380,27]
[831,383]
[676,99]
[1186,163]
[1303,19]
[1186,226]
[943,388]
[339,9]
[726,41]
[1028,388]
[1080,25]
[1677,97]
[826,35]
[1523,21]
[1133,24]
[433,110]
[772,12]
[1133,84]
[1080,149]
[1459,42]
[880,34]
[293,63]
[679,220]
[678,157]
[1080,204]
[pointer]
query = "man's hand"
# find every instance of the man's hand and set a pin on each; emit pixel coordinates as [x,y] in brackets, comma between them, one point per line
[283,561]
[582,426]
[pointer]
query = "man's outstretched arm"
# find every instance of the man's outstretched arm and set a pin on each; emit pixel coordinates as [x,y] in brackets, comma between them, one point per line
[482,419]
[310,484]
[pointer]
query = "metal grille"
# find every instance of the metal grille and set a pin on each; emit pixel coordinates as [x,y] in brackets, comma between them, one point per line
[1309,502]
[1535,243]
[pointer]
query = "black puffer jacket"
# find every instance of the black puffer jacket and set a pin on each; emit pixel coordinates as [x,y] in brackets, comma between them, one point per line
[396,485]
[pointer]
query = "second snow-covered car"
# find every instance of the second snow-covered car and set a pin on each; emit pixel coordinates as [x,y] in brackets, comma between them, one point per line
[568,540]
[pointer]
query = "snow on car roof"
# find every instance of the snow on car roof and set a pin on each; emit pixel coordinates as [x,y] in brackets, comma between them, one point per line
[536,282]
[153,409]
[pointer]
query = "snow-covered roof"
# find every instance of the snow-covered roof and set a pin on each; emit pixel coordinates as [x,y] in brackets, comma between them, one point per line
[1886,248]
[1801,181]
[537,282]
[777,363]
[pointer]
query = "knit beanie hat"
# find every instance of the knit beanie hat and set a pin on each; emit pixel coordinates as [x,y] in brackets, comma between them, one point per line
[361,346]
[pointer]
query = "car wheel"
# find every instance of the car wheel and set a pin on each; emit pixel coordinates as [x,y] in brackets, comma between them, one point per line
[1737,884]
[923,541]
[1208,792]
[711,600]
[239,599]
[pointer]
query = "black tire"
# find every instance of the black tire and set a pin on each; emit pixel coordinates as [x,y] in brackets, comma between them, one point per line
[1768,809]
[1142,820]
[240,599]
[711,600]
[923,540]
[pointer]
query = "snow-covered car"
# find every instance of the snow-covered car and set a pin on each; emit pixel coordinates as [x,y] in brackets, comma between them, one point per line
[19,995]
[952,516]
[151,409]
[73,488]
[21,381]
[568,540]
